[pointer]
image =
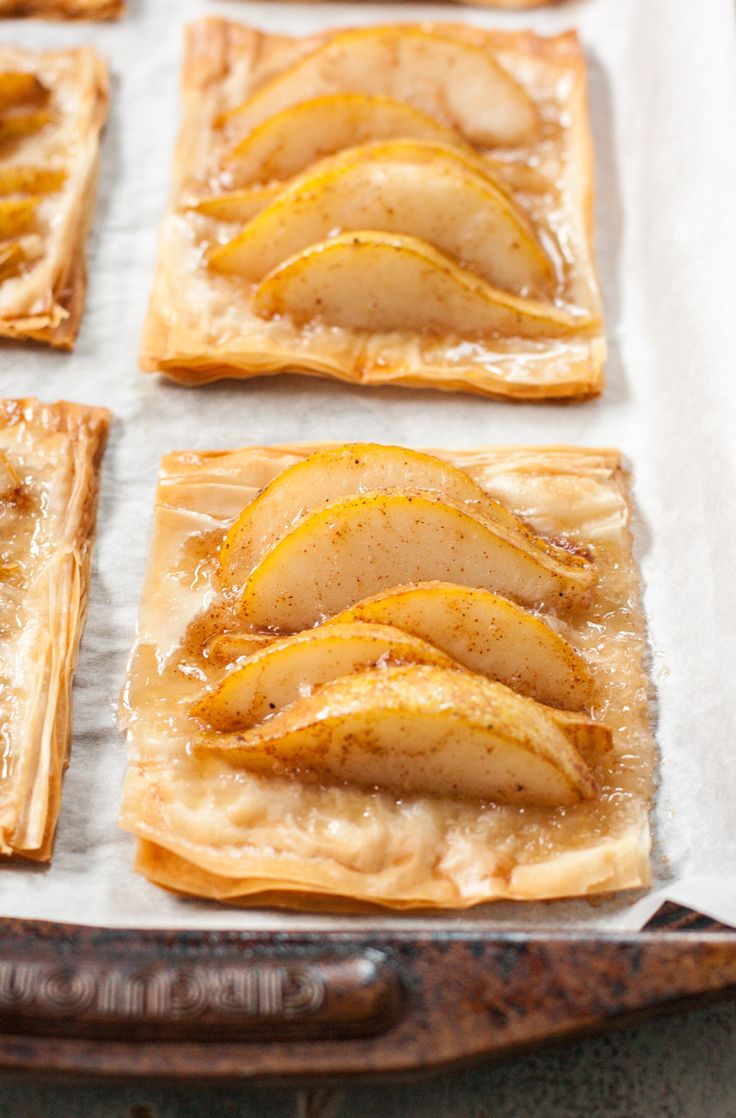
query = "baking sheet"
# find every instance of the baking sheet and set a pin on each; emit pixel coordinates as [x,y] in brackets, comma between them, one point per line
[663,105]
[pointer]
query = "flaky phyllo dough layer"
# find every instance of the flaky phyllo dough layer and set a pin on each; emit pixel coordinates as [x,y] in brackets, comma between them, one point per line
[48,172]
[63,9]
[49,463]
[498,3]
[216,830]
[203,325]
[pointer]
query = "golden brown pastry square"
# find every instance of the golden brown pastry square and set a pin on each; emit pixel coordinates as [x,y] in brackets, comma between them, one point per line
[49,475]
[477,275]
[208,827]
[53,105]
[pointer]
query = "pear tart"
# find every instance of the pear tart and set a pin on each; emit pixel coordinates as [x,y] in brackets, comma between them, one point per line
[49,463]
[406,204]
[53,105]
[371,675]
[63,9]
[498,3]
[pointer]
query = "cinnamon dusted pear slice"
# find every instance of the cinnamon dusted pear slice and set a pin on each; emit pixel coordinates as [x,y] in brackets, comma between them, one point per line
[352,468]
[18,125]
[236,205]
[397,187]
[245,202]
[457,83]
[21,179]
[226,648]
[17,215]
[289,669]
[291,140]
[21,87]
[487,634]
[418,730]
[359,545]
[592,739]
[13,257]
[10,484]
[385,282]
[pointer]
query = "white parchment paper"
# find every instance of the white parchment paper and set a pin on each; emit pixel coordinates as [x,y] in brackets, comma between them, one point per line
[663,110]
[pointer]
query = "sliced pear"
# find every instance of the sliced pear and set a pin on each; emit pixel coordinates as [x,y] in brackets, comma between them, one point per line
[237,205]
[12,258]
[243,203]
[19,125]
[290,669]
[384,282]
[17,215]
[422,730]
[20,87]
[338,554]
[487,634]
[20,179]
[226,648]
[454,82]
[291,140]
[357,467]
[385,188]
[592,739]
[418,151]
[10,483]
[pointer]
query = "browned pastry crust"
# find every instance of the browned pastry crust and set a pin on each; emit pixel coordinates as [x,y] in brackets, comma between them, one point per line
[202,326]
[51,456]
[508,3]
[511,4]
[213,830]
[63,9]
[45,299]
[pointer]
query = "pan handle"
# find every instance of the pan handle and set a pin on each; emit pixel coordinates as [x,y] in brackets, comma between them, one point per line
[291,1005]
[308,992]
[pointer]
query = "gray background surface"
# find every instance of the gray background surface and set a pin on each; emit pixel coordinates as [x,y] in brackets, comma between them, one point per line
[675,1067]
